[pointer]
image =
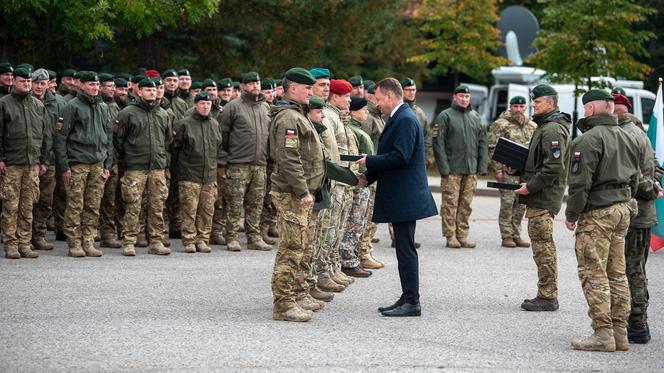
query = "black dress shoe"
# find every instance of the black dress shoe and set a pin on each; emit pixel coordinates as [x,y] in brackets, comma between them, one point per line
[404,310]
[389,308]
[417,245]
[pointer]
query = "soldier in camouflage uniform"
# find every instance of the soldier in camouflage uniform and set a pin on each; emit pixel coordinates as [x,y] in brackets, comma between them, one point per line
[296,148]
[84,151]
[6,78]
[185,87]
[604,177]
[24,150]
[515,126]
[409,96]
[637,241]
[269,215]
[144,135]
[542,189]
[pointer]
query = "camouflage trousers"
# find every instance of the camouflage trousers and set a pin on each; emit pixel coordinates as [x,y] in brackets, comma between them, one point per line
[245,188]
[172,215]
[366,247]
[637,246]
[600,253]
[540,230]
[455,209]
[219,217]
[354,227]
[84,192]
[41,211]
[330,230]
[269,214]
[292,263]
[196,210]
[59,201]
[134,184]
[511,211]
[20,190]
[107,209]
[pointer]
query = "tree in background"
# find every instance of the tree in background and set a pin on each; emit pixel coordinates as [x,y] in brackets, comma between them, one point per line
[460,37]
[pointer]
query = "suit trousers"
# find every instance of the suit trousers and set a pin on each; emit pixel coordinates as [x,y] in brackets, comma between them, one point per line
[404,241]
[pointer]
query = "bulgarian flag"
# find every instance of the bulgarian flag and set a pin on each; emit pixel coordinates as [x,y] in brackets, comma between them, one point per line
[656,136]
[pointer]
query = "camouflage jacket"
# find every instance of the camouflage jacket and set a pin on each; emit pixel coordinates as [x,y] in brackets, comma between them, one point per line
[516,128]
[25,138]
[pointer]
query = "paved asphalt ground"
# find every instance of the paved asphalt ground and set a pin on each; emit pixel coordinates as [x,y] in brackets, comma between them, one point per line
[212,312]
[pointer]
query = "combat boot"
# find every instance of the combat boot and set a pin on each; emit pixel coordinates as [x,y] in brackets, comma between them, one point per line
[202,247]
[158,248]
[166,242]
[521,243]
[620,337]
[273,232]
[26,252]
[340,275]
[453,243]
[12,252]
[107,240]
[508,242]
[325,283]
[295,314]
[90,250]
[307,304]
[268,240]
[259,245]
[141,240]
[639,334]
[217,238]
[41,244]
[190,249]
[76,252]
[334,276]
[368,263]
[466,243]
[375,240]
[377,261]
[319,294]
[234,246]
[128,250]
[601,340]
[538,304]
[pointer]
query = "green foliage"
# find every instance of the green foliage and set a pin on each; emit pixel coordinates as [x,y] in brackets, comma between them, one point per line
[461,37]
[584,38]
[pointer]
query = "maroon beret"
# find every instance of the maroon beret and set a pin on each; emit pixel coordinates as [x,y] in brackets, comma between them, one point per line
[621,99]
[152,73]
[340,87]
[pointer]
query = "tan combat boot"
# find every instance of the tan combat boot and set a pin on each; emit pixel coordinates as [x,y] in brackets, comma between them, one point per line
[307,304]
[202,247]
[107,240]
[465,243]
[339,275]
[12,252]
[40,243]
[217,238]
[76,252]
[327,284]
[266,237]
[295,314]
[453,243]
[601,340]
[90,250]
[141,240]
[367,262]
[190,248]
[26,252]
[234,246]
[128,250]
[508,242]
[259,245]
[158,248]
[319,294]
[620,337]
[377,261]
[521,243]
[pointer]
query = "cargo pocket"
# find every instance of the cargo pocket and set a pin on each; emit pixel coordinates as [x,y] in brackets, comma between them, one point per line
[129,190]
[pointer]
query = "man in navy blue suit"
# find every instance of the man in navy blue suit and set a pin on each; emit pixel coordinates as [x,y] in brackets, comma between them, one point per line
[402,194]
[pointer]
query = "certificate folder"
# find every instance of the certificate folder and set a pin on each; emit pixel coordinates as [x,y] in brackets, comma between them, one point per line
[511,154]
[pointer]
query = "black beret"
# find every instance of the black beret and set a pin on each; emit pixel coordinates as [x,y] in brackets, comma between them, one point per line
[267,84]
[6,67]
[596,95]
[88,76]
[183,72]
[357,103]
[146,82]
[236,85]
[542,90]
[407,82]
[105,77]
[137,78]
[518,100]
[169,73]
[69,73]
[203,96]
[300,75]
[121,82]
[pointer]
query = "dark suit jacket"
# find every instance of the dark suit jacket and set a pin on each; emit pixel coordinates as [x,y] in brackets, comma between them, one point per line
[403,191]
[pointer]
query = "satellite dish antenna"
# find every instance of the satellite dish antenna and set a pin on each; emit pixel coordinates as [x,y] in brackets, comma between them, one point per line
[518,27]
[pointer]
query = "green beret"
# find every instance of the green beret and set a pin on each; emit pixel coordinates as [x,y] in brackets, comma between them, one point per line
[356,81]
[518,100]
[316,102]
[300,75]
[225,83]
[146,82]
[77,75]
[267,84]
[140,71]
[250,77]
[208,83]
[203,96]
[52,74]
[169,74]
[278,83]
[69,73]
[619,91]
[461,89]
[320,72]
[105,77]
[6,67]
[121,82]
[137,78]
[196,85]
[40,74]
[407,82]
[22,72]
[369,86]
[596,95]
[236,85]
[542,90]
[26,66]
[124,76]
[157,81]
[183,72]
[88,76]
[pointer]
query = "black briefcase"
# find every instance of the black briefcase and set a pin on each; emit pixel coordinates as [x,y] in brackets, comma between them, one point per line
[511,154]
